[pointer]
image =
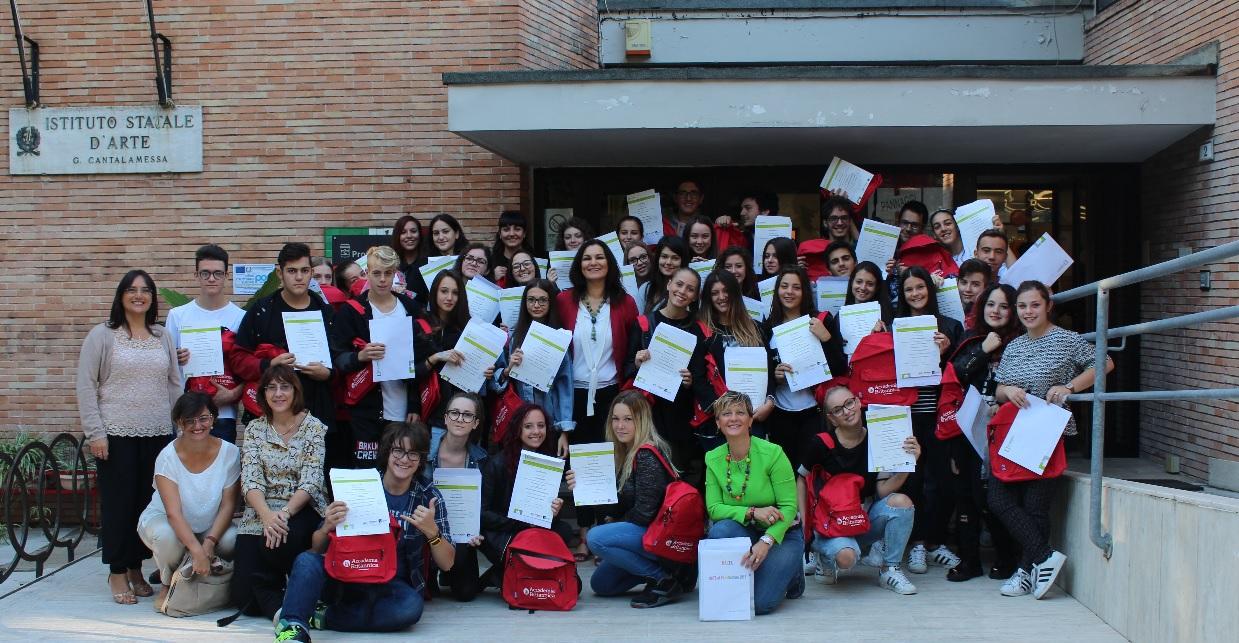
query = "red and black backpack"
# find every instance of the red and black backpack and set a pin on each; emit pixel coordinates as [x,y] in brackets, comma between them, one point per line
[539,572]
[835,508]
[681,521]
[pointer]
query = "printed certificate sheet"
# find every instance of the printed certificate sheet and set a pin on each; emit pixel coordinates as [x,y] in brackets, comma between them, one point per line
[362,491]
[561,261]
[972,220]
[856,322]
[483,299]
[949,303]
[206,350]
[1034,434]
[765,290]
[847,179]
[831,292]
[480,343]
[703,270]
[1045,261]
[594,468]
[973,418]
[536,487]
[800,348]
[888,427]
[647,207]
[510,305]
[917,359]
[462,493]
[746,371]
[756,309]
[542,352]
[767,227]
[396,336]
[670,350]
[628,279]
[307,337]
[434,266]
[877,243]
[612,242]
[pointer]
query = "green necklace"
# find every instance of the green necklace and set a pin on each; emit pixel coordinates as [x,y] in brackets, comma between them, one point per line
[744,486]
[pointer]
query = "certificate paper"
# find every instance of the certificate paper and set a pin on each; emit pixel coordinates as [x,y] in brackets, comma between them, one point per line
[949,303]
[542,352]
[510,305]
[877,243]
[703,270]
[1045,261]
[561,261]
[628,278]
[830,292]
[535,488]
[206,351]
[434,266]
[362,491]
[746,371]
[670,349]
[724,586]
[765,290]
[888,427]
[973,418]
[612,242]
[462,493]
[483,299]
[917,359]
[800,348]
[972,220]
[1034,434]
[647,207]
[767,227]
[307,337]
[594,468]
[396,336]
[756,309]
[846,178]
[856,322]
[480,343]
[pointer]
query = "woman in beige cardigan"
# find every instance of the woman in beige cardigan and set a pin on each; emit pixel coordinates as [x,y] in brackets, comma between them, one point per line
[127,380]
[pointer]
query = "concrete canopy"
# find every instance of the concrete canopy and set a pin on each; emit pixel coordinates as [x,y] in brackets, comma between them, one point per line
[805,115]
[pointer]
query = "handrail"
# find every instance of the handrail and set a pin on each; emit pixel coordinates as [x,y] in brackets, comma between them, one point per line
[1100,338]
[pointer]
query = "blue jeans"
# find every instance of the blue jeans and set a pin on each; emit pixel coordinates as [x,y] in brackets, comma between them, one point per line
[625,563]
[891,525]
[225,429]
[781,575]
[390,607]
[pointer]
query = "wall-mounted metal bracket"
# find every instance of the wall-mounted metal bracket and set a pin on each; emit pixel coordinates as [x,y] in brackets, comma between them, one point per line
[30,68]
[163,68]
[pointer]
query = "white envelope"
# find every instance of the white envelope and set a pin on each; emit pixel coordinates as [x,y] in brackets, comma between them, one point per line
[724,586]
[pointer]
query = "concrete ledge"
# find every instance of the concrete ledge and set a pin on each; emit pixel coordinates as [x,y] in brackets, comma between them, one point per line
[741,5]
[1224,474]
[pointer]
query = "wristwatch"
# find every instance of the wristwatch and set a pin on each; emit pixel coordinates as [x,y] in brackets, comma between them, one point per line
[1069,387]
[766,538]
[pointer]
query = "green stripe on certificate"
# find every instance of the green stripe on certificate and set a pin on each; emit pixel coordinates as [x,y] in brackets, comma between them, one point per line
[745,369]
[834,169]
[910,329]
[847,313]
[792,329]
[545,341]
[586,454]
[453,487]
[534,463]
[186,331]
[642,198]
[511,297]
[883,233]
[663,340]
[887,418]
[304,321]
[484,294]
[480,347]
[769,226]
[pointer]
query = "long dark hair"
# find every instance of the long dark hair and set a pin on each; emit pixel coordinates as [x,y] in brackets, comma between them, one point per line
[537,270]
[461,239]
[512,445]
[657,282]
[880,292]
[458,318]
[498,256]
[587,231]
[737,321]
[524,320]
[749,285]
[808,303]
[613,289]
[698,219]
[931,306]
[784,251]
[396,232]
[117,319]
[981,327]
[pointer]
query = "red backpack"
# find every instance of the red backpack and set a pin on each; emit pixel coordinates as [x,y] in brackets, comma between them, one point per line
[834,500]
[925,251]
[814,253]
[431,388]
[539,572]
[873,372]
[681,520]
[363,559]
[1008,471]
[728,236]
[249,395]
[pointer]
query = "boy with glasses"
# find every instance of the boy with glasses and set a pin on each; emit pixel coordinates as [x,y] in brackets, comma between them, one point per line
[211,308]
[688,198]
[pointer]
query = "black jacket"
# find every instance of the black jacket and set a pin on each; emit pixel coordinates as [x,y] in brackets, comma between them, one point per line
[670,418]
[716,348]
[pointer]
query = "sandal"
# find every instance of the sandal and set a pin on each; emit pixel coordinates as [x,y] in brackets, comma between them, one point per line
[122,598]
[140,587]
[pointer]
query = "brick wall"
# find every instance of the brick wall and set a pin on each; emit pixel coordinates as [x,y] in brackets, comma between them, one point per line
[316,114]
[1185,203]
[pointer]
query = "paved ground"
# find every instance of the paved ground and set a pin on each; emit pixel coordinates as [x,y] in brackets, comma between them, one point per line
[73,604]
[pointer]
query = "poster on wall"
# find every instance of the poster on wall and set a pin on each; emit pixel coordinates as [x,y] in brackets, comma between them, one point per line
[105,140]
[352,243]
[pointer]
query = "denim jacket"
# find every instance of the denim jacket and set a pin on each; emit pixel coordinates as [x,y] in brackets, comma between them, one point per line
[557,402]
[474,454]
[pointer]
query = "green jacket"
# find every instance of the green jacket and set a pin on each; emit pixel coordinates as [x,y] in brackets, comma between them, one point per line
[771,483]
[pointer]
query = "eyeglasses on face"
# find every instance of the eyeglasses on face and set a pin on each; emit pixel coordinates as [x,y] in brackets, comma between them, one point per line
[911,225]
[461,416]
[401,454]
[522,265]
[538,301]
[207,275]
[201,420]
[843,219]
[846,407]
[475,261]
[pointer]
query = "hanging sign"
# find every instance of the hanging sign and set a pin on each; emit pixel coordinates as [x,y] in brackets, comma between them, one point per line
[105,140]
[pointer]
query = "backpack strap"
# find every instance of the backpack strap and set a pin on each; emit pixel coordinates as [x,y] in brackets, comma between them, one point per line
[424,325]
[361,310]
[826,439]
[661,458]
[705,330]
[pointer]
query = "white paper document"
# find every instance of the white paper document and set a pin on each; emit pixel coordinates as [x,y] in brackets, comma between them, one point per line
[307,337]
[612,242]
[541,354]
[594,468]
[544,265]
[756,309]
[973,418]
[703,270]
[1045,261]
[765,290]
[628,279]
[510,305]
[462,493]
[830,293]
[396,336]
[561,261]
[799,347]
[949,303]
[434,266]
[856,322]
[1034,434]
[724,586]
[767,227]
[670,350]
[877,243]
[888,427]
[917,359]
[480,343]
[206,351]
[747,371]
[362,491]
[846,178]
[483,299]
[536,486]
[647,207]
[973,219]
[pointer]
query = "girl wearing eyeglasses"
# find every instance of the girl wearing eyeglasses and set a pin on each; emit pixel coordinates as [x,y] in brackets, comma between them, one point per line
[474,261]
[455,447]
[524,269]
[538,304]
[638,256]
[127,381]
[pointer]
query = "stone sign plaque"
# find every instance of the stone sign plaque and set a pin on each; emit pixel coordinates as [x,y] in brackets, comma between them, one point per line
[105,140]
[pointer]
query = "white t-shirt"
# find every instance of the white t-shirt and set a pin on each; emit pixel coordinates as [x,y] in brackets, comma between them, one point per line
[964,255]
[591,345]
[395,392]
[201,493]
[194,315]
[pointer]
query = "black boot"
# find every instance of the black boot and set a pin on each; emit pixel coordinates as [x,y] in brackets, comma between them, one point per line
[658,594]
[965,570]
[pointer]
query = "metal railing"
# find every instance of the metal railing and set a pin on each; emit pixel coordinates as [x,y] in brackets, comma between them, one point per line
[47,489]
[1101,338]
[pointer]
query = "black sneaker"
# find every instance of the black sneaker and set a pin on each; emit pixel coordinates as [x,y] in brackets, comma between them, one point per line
[686,575]
[965,570]
[291,632]
[658,594]
[1002,570]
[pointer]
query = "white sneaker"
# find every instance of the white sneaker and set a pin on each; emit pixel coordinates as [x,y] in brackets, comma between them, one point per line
[894,580]
[1019,584]
[876,556]
[810,567]
[943,557]
[826,575]
[1044,573]
[916,560]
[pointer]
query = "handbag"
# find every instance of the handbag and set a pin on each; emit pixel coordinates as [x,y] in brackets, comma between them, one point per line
[191,594]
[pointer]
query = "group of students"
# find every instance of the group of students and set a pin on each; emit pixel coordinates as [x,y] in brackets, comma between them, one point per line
[751,457]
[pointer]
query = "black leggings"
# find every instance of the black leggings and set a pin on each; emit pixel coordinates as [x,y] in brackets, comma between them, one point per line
[1024,507]
[463,576]
[932,486]
[124,491]
[259,575]
[973,508]
[588,430]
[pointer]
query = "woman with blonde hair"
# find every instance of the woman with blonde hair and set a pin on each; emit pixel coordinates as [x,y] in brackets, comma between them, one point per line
[643,473]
